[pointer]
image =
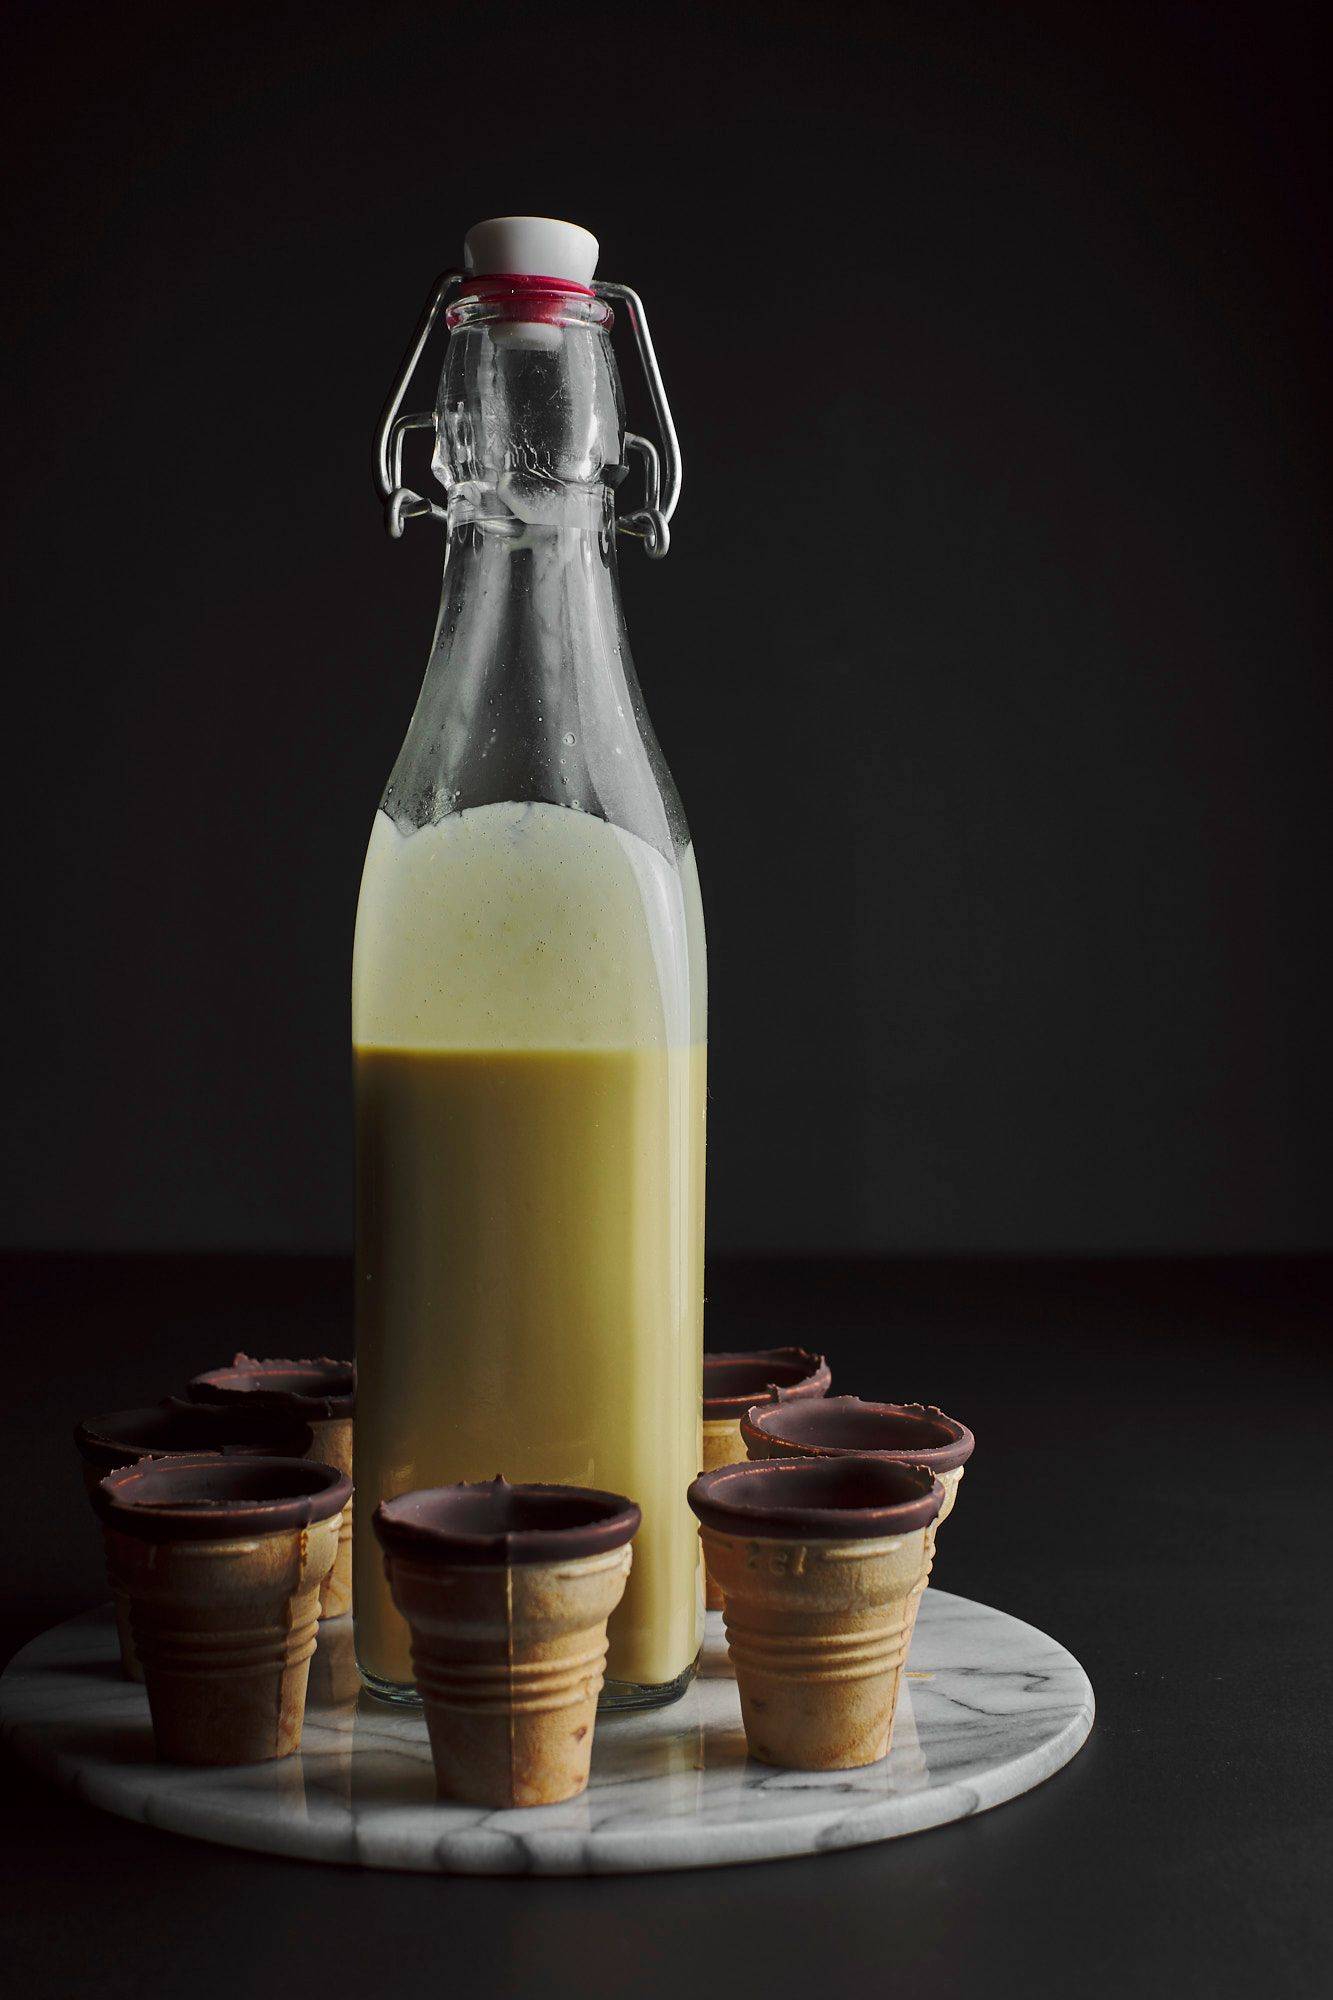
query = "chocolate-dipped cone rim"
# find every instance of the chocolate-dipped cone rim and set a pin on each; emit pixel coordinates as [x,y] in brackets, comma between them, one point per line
[318,1387]
[817,1499]
[493,1522]
[209,1498]
[911,1433]
[734,1382]
[120,1437]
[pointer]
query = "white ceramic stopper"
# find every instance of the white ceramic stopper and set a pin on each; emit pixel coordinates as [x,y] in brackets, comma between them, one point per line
[531,246]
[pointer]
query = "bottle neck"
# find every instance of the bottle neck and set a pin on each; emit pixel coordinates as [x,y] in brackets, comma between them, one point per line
[529,595]
[517,510]
[530,418]
[530,694]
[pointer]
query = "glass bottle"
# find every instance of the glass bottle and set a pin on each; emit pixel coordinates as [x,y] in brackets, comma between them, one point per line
[528,1008]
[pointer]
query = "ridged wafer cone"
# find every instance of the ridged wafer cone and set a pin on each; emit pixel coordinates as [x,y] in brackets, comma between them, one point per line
[822,1563]
[950,1482]
[722,1446]
[506,1591]
[222,1560]
[335,1678]
[509,1663]
[120,1598]
[224,1632]
[122,1437]
[333,1446]
[321,1391]
[130,1663]
[845,1426]
[818,1634]
[734,1381]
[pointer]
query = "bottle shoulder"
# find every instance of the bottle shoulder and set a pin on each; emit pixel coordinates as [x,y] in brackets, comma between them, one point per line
[530,693]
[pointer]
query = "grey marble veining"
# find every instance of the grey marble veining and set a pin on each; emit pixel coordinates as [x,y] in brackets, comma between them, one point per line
[991,1707]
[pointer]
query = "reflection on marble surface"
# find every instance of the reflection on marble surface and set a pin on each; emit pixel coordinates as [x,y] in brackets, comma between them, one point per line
[990,1709]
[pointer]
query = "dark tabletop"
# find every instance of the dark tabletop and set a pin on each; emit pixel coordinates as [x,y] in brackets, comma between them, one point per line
[1150,1486]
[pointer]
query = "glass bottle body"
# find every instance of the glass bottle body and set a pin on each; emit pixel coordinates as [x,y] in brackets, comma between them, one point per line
[529,1020]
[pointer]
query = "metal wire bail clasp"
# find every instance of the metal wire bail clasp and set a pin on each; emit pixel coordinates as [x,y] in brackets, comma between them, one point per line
[661,471]
[662,476]
[401,504]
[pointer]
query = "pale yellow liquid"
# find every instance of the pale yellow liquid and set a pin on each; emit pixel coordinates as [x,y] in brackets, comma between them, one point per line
[530,1214]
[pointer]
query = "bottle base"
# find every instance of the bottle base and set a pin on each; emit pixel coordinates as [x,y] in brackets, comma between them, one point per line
[403,1693]
[616,1698]
[622,1697]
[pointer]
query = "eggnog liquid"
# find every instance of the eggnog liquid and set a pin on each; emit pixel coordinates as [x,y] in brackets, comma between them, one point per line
[527,1011]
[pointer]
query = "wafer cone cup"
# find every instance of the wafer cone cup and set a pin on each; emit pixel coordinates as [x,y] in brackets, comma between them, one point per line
[120,1598]
[331,1706]
[759,1446]
[818,1633]
[333,1446]
[949,1481]
[130,1664]
[335,1678]
[509,1663]
[224,1631]
[722,1446]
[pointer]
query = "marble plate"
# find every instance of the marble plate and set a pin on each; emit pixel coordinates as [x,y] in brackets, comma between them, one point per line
[991,1707]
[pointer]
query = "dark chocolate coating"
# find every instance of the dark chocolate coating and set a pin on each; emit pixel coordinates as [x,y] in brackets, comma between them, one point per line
[912,1433]
[119,1437]
[317,1388]
[496,1523]
[733,1382]
[817,1499]
[208,1498]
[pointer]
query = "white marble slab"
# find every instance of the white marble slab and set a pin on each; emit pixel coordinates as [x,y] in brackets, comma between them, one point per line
[992,1707]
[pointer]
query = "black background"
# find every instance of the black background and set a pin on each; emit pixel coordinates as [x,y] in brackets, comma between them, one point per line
[991,656]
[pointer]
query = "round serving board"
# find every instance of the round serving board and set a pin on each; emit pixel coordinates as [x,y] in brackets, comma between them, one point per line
[990,1708]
